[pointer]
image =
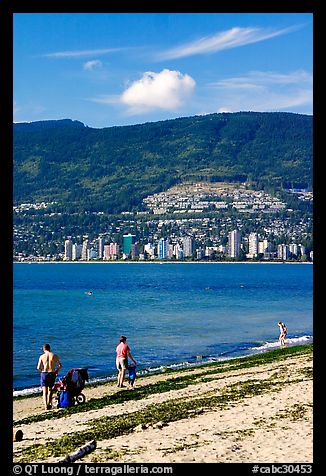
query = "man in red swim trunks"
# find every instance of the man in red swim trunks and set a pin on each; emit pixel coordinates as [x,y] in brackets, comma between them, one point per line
[49,365]
[123,352]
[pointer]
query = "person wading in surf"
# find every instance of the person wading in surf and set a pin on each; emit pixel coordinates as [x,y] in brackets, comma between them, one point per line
[283,332]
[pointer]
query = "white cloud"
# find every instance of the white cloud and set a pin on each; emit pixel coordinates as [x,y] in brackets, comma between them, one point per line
[105,99]
[81,53]
[164,90]
[265,91]
[93,64]
[262,79]
[232,38]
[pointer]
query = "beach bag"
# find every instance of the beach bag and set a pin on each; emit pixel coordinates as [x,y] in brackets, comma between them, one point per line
[65,399]
[132,372]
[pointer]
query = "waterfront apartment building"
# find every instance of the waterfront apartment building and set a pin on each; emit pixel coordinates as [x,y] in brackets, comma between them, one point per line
[162,249]
[100,248]
[294,248]
[188,246]
[85,247]
[234,243]
[180,248]
[178,251]
[263,246]
[170,250]
[253,245]
[68,250]
[111,251]
[283,251]
[134,251]
[76,251]
[128,241]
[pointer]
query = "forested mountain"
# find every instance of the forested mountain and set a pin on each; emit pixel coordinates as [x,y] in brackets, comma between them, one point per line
[113,169]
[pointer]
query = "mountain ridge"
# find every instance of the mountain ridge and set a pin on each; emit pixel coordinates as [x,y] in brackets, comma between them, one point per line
[114,168]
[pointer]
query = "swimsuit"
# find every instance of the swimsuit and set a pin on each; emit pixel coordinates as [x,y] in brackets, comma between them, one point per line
[48,379]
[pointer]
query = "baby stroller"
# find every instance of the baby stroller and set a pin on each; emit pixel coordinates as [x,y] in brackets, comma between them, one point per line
[69,389]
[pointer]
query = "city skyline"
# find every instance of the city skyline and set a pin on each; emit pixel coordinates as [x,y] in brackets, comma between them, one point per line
[252,247]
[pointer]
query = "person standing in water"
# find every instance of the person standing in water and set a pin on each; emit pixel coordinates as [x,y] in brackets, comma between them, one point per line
[283,332]
[49,365]
[123,352]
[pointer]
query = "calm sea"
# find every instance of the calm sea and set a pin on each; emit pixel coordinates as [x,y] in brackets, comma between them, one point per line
[172,314]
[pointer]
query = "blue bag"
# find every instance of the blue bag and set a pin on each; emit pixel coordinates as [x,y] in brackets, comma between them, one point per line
[132,372]
[65,399]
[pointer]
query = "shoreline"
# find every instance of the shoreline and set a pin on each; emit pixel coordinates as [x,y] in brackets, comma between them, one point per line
[161,262]
[250,409]
[177,366]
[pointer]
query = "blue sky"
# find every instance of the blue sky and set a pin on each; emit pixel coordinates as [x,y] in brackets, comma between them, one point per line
[112,69]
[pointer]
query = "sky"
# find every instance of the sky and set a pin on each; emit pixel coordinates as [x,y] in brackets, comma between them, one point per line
[117,69]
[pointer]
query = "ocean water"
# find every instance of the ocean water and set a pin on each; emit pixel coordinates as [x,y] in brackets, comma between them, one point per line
[174,314]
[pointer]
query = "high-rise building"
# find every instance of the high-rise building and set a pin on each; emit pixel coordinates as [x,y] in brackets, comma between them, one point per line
[68,250]
[76,251]
[302,249]
[263,246]
[100,248]
[134,251]
[128,241]
[114,250]
[234,243]
[85,248]
[293,248]
[178,251]
[283,251]
[162,249]
[253,245]
[170,250]
[106,252]
[188,246]
[111,251]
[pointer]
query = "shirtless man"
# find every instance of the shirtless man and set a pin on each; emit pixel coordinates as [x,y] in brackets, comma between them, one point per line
[49,365]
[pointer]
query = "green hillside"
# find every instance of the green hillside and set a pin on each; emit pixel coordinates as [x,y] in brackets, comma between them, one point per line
[113,169]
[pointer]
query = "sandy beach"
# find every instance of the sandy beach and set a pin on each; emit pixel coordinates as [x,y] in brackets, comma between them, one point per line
[254,409]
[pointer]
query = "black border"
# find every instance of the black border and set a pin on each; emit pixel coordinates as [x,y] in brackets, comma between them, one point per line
[7,9]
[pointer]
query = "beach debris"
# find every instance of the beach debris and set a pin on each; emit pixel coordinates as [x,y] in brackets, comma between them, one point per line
[18,435]
[80,453]
[141,427]
[197,411]
[145,426]
[159,424]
